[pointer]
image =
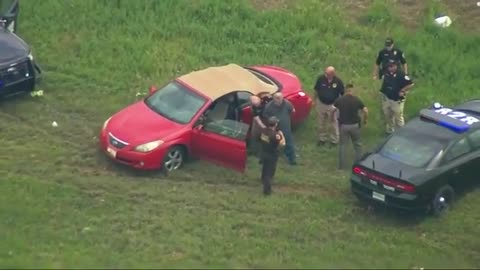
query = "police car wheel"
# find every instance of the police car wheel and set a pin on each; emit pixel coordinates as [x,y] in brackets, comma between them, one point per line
[442,201]
[174,159]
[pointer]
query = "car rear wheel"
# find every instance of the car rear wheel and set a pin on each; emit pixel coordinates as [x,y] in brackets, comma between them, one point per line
[442,201]
[174,159]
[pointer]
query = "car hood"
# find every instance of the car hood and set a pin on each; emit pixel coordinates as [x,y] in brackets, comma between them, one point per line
[138,124]
[289,81]
[392,168]
[12,47]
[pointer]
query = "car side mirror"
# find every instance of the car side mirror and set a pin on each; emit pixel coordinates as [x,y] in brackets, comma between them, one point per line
[200,122]
[152,89]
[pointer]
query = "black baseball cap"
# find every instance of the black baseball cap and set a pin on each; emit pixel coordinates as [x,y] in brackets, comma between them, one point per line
[391,62]
[389,42]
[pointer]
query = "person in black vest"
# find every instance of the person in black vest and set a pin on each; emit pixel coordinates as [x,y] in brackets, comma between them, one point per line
[395,87]
[328,88]
[271,139]
[387,54]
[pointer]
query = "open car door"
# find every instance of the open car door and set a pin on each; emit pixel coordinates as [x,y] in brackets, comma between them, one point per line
[8,14]
[222,142]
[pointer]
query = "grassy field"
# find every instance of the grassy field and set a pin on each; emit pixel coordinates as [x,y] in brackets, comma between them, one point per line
[63,204]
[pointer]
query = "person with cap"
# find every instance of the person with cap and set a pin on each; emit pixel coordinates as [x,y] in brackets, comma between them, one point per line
[395,87]
[271,139]
[349,108]
[389,53]
[328,89]
[283,110]
[257,123]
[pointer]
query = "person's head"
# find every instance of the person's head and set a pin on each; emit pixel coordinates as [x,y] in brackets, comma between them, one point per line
[256,101]
[389,44]
[392,66]
[349,88]
[272,122]
[330,72]
[278,98]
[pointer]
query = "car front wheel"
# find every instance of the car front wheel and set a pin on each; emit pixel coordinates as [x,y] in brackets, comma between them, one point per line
[443,200]
[174,159]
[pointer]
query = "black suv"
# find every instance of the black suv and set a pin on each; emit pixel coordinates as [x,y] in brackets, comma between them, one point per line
[423,164]
[18,70]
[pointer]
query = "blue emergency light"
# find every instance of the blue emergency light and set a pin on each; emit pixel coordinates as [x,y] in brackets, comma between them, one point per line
[445,120]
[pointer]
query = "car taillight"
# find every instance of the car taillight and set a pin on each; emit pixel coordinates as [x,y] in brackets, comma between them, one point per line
[386,181]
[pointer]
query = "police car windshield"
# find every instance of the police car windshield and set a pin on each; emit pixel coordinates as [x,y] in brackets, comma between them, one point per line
[412,149]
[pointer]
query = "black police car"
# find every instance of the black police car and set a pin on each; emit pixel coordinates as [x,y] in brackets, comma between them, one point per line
[423,164]
[18,70]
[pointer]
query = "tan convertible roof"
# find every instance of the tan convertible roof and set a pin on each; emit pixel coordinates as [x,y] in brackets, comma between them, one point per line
[215,82]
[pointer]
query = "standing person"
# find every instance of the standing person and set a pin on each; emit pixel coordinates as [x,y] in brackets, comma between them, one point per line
[257,123]
[283,110]
[393,92]
[388,53]
[271,139]
[349,107]
[328,89]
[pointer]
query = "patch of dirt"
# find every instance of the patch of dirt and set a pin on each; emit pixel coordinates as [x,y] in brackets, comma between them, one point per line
[465,13]
[410,12]
[270,4]
[356,9]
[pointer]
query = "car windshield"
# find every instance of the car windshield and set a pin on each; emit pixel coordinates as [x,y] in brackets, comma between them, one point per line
[175,102]
[5,7]
[412,149]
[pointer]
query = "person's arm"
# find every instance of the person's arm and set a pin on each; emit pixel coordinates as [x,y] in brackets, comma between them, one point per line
[280,138]
[341,88]
[408,84]
[403,61]
[365,115]
[315,90]
[292,109]
[376,67]
[258,121]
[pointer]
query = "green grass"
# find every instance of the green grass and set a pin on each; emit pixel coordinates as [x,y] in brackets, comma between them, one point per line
[63,204]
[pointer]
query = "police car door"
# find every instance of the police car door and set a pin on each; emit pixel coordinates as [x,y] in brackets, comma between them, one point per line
[460,161]
[222,142]
[8,14]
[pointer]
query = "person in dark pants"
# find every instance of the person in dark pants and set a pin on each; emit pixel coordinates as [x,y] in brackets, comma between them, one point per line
[257,124]
[389,53]
[271,139]
[349,107]
[283,110]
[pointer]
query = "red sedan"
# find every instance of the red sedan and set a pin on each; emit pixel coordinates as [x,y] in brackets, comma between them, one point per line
[204,114]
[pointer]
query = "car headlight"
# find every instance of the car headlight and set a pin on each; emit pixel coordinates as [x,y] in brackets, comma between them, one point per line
[147,147]
[106,123]
[30,56]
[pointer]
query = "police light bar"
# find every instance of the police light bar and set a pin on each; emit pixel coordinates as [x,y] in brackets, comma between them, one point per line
[455,120]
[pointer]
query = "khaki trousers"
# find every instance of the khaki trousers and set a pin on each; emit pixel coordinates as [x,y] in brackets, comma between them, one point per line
[327,123]
[393,113]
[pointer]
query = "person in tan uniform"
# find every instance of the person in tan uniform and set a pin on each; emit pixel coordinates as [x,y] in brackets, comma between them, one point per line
[328,89]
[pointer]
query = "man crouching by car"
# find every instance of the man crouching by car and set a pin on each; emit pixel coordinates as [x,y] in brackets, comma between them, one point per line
[271,140]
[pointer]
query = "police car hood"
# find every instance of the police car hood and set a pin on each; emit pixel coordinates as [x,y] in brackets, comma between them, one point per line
[390,167]
[12,48]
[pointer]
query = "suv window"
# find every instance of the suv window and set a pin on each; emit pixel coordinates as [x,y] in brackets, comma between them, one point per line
[460,148]
[474,138]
